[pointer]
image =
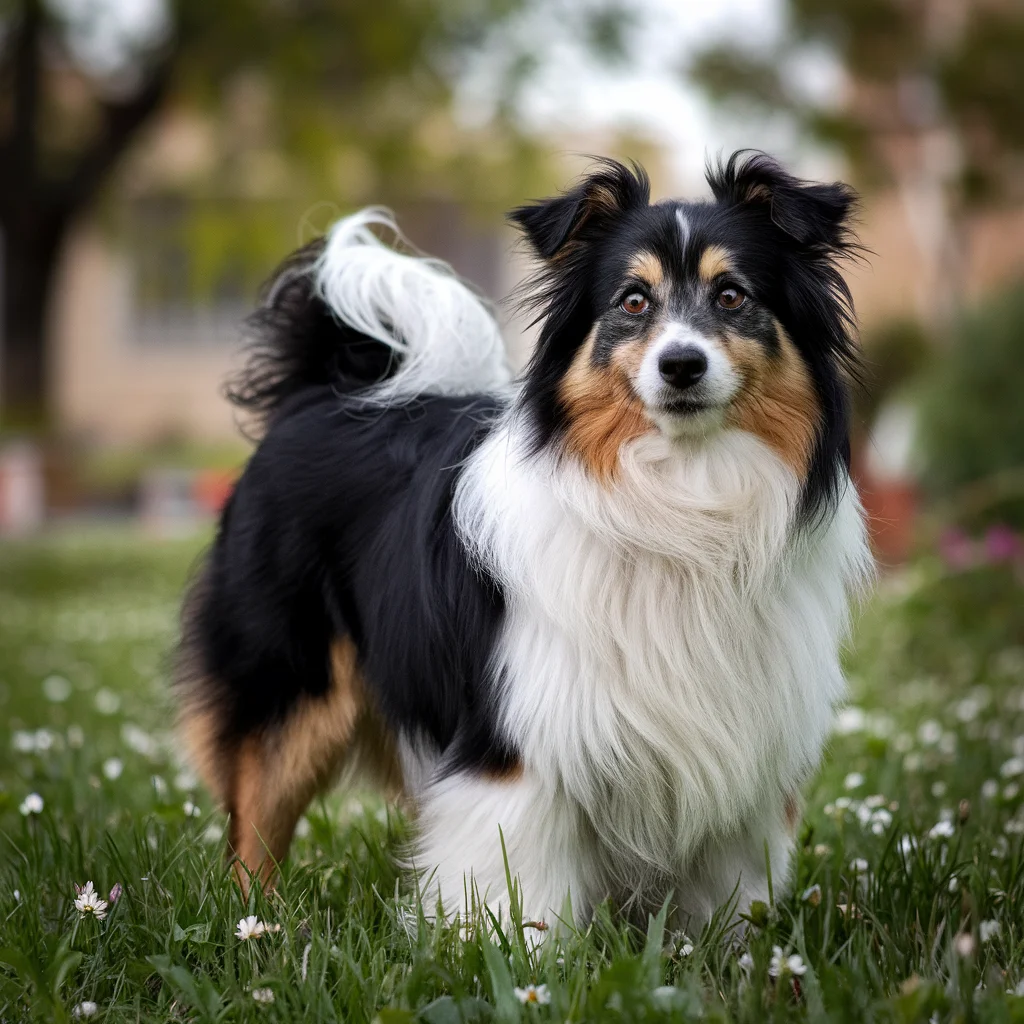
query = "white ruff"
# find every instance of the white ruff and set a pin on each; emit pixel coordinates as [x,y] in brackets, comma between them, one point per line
[668,668]
[447,339]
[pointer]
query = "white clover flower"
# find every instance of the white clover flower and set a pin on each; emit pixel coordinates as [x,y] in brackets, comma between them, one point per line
[988,930]
[938,789]
[781,964]
[538,994]
[32,804]
[990,789]
[112,768]
[860,865]
[191,810]
[822,850]
[853,781]
[964,944]
[686,949]
[1013,767]
[1010,792]
[875,801]
[107,702]
[88,902]
[250,927]
[968,708]
[44,740]
[954,884]
[746,962]
[23,741]
[85,1009]
[56,689]
[929,732]
[851,719]
[908,845]
[263,995]
[942,830]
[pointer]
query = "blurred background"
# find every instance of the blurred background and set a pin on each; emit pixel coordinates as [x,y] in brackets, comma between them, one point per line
[158,157]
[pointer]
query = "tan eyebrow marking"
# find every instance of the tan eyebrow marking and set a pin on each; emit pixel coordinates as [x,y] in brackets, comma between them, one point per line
[647,267]
[714,261]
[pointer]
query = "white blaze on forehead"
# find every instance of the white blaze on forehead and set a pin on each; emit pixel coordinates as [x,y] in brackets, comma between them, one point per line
[684,228]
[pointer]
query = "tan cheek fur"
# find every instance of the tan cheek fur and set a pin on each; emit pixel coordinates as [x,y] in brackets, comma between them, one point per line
[777,401]
[602,410]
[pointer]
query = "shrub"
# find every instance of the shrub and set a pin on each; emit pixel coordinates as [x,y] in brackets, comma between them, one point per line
[971,428]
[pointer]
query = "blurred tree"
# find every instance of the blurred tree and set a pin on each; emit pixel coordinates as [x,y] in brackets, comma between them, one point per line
[78,84]
[934,104]
[971,427]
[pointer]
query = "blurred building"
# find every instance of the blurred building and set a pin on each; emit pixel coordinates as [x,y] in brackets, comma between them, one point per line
[141,356]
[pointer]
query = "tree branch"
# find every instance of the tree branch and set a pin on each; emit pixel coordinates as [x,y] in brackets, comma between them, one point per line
[18,154]
[121,123]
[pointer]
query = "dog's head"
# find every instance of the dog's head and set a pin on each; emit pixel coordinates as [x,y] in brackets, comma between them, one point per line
[692,318]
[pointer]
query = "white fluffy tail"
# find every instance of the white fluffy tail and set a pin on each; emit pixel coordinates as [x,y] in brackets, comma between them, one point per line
[446,339]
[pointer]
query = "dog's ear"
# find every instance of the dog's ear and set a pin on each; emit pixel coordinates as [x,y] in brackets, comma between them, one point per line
[553,226]
[815,215]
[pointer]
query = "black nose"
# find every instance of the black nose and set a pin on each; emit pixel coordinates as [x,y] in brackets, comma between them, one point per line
[682,366]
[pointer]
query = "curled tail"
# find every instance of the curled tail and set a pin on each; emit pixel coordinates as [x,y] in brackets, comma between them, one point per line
[354,313]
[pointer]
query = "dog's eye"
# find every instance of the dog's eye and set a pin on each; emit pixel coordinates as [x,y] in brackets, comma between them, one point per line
[634,302]
[731,298]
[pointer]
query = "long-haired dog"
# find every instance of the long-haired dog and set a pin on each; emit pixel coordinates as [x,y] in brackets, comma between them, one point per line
[585,621]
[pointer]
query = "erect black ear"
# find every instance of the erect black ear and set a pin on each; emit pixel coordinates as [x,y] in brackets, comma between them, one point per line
[813,214]
[595,202]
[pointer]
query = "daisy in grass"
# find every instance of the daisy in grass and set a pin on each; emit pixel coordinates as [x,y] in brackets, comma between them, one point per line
[86,1009]
[782,964]
[538,994]
[88,902]
[252,927]
[32,804]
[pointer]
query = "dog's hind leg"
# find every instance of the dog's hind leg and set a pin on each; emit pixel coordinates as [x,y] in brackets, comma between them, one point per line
[280,768]
[266,778]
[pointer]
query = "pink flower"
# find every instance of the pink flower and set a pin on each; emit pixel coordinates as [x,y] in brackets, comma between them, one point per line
[1001,545]
[956,549]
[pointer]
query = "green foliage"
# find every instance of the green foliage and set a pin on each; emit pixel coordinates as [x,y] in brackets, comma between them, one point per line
[971,413]
[920,68]
[896,919]
[894,354]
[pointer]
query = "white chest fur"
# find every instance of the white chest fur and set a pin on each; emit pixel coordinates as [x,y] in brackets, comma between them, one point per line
[670,658]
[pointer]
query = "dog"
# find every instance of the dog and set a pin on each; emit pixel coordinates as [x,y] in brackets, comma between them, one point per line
[586,621]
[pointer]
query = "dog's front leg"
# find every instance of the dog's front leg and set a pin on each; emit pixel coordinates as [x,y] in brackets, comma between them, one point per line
[478,831]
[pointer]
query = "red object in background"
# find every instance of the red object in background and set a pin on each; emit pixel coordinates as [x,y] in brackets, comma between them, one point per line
[212,488]
[891,508]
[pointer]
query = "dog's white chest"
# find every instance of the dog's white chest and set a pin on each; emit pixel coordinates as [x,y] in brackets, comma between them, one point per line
[670,656]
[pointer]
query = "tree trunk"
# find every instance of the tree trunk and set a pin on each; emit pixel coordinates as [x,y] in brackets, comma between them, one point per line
[31,249]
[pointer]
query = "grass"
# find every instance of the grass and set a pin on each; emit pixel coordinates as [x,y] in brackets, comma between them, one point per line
[907,903]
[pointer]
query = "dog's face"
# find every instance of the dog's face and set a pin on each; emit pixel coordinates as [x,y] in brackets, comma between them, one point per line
[692,318]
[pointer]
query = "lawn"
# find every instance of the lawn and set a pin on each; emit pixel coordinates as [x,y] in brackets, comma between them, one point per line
[908,903]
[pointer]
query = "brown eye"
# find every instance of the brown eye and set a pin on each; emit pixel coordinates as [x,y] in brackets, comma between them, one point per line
[634,303]
[731,298]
